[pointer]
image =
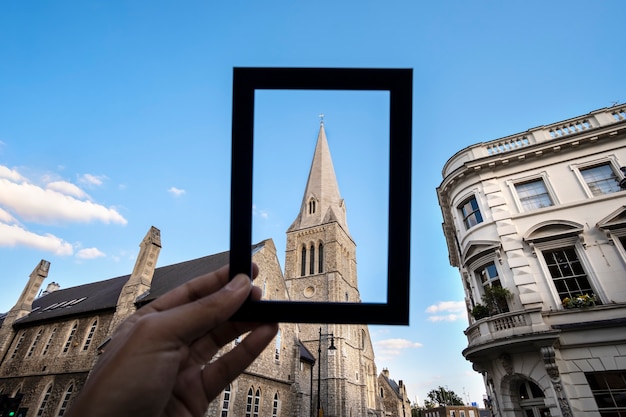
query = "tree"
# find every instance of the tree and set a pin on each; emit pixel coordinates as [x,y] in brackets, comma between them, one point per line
[442,396]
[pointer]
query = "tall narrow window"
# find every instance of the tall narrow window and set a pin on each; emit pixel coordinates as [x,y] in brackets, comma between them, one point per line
[312,260]
[567,273]
[44,401]
[47,347]
[303,265]
[277,347]
[311,206]
[533,195]
[601,179]
[320,258]
[275,406]
[18,344]
[89,338]
[249,403]
[68,343]
[257,402]
[470,212]
[66,400]
[226,402]
[35,342]
[491,296]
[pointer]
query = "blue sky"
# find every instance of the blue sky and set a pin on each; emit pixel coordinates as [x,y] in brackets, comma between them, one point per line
[116,116]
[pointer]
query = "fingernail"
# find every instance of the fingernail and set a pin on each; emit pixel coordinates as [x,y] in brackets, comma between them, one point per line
[238,282]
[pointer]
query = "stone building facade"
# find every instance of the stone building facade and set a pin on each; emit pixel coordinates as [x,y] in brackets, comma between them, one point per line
[48,344]
[393,396]
[536,224]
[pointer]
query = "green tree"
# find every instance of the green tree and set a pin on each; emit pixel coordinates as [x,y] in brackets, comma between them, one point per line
[442,396]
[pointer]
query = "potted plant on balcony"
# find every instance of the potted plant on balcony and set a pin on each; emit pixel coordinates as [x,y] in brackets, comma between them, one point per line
[495,299]
[479,312]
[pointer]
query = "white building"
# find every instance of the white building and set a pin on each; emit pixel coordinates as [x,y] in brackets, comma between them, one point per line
[541,213]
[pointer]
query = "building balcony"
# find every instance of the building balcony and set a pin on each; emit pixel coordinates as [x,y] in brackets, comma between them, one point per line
[511,331]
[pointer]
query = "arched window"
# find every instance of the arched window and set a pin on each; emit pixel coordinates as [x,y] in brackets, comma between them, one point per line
[312,260]
[381,393]
[277,349]
[226,402]
[303,265]
[34,345]
[47,347]
[89,338]
[311,206]
[18,344]
[68,343]
[257,402]
[249,403]
[44,401]
[531,399]
[320,258]
[66,400]
[275,406]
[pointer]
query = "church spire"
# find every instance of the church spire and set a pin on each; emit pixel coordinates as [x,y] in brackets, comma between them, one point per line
[321,202]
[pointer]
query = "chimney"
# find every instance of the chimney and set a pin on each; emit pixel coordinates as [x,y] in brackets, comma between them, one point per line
[52,287]
[386,373]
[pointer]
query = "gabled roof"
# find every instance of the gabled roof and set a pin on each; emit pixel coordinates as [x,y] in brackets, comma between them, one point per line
[305,354]
[393,385]
[103,295]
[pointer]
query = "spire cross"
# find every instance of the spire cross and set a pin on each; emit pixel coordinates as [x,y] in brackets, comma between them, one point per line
[321,116]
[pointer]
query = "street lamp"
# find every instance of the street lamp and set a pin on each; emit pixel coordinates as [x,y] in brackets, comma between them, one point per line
[320,413]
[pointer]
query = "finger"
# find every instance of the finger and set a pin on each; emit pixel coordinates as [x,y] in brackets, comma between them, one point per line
[218,374]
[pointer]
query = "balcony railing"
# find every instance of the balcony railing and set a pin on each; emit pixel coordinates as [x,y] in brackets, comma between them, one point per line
[506,325]
[596,119]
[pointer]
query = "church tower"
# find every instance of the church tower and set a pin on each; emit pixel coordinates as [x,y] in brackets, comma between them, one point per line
[320,265]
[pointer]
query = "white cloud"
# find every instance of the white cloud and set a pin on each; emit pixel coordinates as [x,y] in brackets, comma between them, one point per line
[13,235]
[260,213]
[454,309]
[5,217]
[92,179]
[10,174]
[67,188]
[33,203]
[394,347]
[176,192]
[89,253]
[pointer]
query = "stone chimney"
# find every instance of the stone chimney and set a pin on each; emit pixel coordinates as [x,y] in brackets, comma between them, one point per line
[141,278]
[24,303]
[52,287]
[386,373]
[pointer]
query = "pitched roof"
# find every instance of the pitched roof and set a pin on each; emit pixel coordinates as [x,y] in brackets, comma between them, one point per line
[103,295]
[305,354]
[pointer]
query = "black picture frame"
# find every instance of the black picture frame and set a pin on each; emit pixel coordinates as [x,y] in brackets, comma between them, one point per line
[399,84]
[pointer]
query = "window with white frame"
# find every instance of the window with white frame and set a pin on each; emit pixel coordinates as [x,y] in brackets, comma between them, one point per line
[70,337]
[18,344]
[249,403]
[90,335]
[601,179]
[257,403]
[470,212]
[568,274]
[490,282]
[275,406]
[66,400]
[277,347]
[33,346]
[533,194]
[44,401]
[50,339]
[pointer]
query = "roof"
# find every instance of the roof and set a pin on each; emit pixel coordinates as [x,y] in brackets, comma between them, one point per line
[305,354]
[103,295]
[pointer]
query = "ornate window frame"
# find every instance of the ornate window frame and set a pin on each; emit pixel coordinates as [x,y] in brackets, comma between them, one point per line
[542,176]
[610,160]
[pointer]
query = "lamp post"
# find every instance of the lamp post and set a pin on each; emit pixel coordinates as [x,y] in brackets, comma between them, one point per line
[320,413]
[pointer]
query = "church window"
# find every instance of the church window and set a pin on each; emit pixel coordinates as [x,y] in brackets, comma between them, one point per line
[347,297]
[34,345]
[277,348]
[68,343]
[356,376]
[249,403]
[320,258]
[381,393]
[303,265]
[257,403]
[44,401]
[89,338]
[18,344]
[47,347]
[312,260]
[275,406]
[66,400]
[311,206]
[226,401]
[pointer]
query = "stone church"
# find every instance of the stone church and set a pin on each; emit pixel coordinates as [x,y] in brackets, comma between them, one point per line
[49,343]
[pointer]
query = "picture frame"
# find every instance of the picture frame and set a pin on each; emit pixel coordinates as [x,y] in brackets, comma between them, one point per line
[399,84]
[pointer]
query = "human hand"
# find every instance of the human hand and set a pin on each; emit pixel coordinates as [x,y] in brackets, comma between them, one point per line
[157,361]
